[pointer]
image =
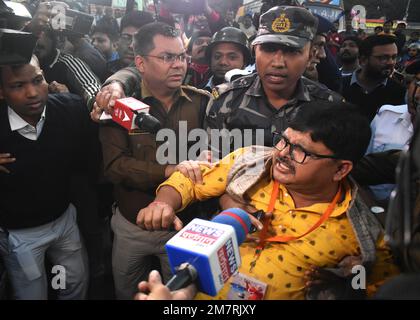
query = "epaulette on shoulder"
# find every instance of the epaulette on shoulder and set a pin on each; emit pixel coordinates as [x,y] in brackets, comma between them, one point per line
[220,89]
[196,90]
[244,81]
[239,83]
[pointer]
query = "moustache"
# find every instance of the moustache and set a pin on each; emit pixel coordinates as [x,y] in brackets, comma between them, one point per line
[287,162]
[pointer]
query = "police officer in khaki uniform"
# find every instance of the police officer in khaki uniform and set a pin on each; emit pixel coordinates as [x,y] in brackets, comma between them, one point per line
[130,159]
[263,100]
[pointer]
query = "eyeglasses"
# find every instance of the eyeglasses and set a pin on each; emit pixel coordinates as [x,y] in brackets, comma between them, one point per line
[296,152]
[172,58]
[385,57]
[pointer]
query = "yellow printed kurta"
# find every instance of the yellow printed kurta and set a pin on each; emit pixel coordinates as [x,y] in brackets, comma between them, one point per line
[281,266]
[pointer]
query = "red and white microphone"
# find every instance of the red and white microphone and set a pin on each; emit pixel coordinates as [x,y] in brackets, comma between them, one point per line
[131,113]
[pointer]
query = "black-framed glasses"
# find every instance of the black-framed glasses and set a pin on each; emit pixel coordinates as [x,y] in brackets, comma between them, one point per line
[297,153]
[169,58]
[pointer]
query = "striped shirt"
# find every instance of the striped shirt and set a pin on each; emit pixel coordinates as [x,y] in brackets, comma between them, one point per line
[75,74]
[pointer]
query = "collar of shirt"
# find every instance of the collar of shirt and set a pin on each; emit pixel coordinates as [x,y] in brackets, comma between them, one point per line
[145,93]
[55,59]
[345,73]
[22,127]
[114,56]
[404,116]
[209,84]
[354,80]
[396,109]
[286,201]
[302,92]
[255,89]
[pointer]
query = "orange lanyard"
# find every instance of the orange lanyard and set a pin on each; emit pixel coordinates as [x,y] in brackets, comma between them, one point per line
[263,234]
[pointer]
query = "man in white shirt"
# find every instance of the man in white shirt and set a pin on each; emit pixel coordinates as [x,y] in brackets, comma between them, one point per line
[392,127]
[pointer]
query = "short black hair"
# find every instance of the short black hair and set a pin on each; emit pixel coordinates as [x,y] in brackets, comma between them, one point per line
[367,45]
[106,29]
[143,39]
[195,36]
[33,60]
[338,125]
[136,19]
[355,39]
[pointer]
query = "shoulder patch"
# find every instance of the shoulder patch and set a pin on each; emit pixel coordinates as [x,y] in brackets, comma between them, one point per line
[227,86]
[215,93]
[220,89]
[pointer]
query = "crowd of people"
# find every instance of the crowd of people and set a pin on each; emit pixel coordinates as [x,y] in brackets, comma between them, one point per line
[322,118]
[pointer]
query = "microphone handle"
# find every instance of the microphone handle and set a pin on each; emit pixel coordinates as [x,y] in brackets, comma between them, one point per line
[182,278]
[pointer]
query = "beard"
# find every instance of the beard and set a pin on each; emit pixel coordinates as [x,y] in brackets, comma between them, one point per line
[376,74]
[347,58]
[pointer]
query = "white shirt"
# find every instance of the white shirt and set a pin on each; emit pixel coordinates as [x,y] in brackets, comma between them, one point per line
[391,129]
[22,127]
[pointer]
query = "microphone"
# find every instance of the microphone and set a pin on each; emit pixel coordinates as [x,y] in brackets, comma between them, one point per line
[208,251]
[131,113]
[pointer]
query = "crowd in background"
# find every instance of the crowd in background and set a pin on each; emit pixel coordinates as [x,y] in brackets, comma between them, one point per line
[113,174]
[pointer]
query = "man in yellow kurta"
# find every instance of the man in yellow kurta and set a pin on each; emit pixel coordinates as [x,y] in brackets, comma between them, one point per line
[316,206]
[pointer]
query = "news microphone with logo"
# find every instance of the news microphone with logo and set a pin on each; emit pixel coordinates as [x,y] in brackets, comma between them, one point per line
[131,113]
[208,251]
